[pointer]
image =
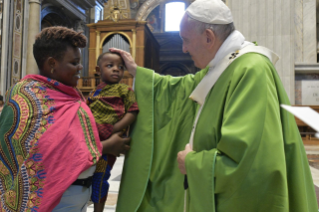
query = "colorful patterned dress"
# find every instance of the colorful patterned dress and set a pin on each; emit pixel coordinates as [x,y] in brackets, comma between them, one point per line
[108,103]
[48,137]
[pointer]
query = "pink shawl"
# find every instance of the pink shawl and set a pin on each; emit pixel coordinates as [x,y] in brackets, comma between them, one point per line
[48,136]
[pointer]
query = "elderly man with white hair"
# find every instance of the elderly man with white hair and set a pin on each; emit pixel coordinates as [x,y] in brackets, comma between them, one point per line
[243,152]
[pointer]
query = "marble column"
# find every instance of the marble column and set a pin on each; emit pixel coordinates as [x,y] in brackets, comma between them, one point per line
[34,28]
[309,31]
[4,48]
[271,24]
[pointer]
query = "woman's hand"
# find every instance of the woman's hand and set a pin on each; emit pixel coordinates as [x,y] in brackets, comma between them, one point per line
[128,59]
[116,145]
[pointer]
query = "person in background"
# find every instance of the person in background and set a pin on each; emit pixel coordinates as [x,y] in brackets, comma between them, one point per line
[236,149]
[1,103]
[114,108]
[49,142]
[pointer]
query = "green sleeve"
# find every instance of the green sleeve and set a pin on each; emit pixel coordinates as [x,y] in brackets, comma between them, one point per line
[200,175]
[164,108]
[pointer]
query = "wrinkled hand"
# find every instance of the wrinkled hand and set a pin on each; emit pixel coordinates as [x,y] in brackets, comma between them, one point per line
[181,158]
[116,144]
[128,59]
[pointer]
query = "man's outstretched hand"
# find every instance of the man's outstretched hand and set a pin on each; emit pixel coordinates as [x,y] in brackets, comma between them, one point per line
[116,144]
[128,60]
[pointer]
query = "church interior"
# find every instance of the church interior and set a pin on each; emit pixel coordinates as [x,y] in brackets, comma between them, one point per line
[288,27]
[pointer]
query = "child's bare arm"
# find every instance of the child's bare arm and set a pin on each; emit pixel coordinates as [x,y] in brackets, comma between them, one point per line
[128,119]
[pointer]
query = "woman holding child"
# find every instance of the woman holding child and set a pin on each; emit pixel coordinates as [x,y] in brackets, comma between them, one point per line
[49,142]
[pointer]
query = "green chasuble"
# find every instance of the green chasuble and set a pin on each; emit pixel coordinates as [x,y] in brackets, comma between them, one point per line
[248,155]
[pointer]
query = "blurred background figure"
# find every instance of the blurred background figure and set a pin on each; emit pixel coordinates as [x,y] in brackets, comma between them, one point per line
[1,104]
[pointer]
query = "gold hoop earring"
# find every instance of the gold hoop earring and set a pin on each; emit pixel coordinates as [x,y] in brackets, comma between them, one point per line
[52,70]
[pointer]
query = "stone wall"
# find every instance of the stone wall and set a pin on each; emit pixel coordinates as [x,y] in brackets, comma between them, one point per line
[271,24]
[13,42]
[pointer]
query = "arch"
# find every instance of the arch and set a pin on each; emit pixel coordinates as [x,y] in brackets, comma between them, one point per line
[111,33]
[147,8]
[54,16]
[165,68]
[117,41]
[52,9]
[150,5]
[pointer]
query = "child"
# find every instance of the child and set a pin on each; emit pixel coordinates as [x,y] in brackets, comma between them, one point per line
[114,108]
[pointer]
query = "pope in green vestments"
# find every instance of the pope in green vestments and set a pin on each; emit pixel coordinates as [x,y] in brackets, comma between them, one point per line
[247,154]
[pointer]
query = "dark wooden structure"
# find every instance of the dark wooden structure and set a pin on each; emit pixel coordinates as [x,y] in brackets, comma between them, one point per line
[306,132]
[142,45]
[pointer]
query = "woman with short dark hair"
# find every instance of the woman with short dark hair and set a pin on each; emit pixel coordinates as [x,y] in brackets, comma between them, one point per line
[49,140]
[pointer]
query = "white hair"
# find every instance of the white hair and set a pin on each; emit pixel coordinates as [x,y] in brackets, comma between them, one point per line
[222,31]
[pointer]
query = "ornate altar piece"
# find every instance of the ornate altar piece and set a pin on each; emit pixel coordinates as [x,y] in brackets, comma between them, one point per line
[127,34]
[115,10]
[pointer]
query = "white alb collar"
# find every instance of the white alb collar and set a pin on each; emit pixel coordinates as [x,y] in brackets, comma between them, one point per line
[233,42]
[232,48]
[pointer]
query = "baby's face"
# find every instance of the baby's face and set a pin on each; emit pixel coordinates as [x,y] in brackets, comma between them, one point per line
[112,68]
